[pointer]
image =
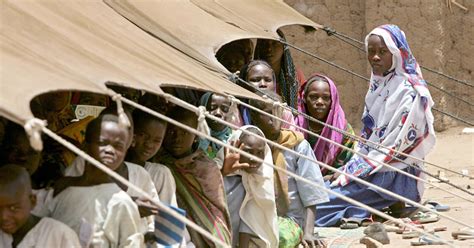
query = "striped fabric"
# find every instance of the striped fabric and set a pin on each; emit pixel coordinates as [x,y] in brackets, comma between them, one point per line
[169,231]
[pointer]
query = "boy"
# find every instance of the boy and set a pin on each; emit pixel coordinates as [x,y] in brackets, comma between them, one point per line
[295,200]
[92,204]
[136,174]
[18,227]
[18,151]
[148,137]
[249,190]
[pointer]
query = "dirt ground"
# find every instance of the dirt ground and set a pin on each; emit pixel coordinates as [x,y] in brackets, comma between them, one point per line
[454,150]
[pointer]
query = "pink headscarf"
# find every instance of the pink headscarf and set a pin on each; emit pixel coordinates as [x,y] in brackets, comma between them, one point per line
[325,152]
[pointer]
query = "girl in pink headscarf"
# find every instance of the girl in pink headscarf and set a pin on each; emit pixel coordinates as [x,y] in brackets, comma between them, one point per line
[318,97]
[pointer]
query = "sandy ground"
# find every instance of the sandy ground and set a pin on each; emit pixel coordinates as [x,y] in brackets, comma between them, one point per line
[453,150]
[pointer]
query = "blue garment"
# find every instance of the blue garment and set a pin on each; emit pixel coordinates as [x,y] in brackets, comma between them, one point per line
[169,230]
[330,213]
[206,145]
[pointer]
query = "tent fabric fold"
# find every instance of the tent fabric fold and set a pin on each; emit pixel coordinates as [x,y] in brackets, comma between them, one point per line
[55,45]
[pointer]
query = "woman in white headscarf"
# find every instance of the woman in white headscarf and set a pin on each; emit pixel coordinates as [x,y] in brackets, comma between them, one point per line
[397,114]
[249,190]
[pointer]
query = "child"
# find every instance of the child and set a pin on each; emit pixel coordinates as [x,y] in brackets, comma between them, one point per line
[260,75]
[18,227]
[136,174]
[218,106]
[249,190]
[199,185]
[149,135]
[18,151]
[93,205]
[295,200]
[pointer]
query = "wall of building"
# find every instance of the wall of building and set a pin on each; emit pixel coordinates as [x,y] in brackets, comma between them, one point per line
[440,38]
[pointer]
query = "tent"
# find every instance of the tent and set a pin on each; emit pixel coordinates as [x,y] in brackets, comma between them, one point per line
[54,45]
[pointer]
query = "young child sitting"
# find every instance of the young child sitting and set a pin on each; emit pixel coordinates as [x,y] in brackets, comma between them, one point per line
[218,106]
[295,199]
[93,205]
[199,184]
[249,189]
[18,227]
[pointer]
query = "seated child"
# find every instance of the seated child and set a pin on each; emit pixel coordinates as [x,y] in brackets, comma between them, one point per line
[295,199]
[199,184]
[93,204]
[135,174]
[249,190]
[18,227]
[18,151]
[149,135]
[218,106]
[260,75]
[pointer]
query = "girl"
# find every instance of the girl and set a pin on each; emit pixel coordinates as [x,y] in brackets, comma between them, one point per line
[319,98]
[260,75]
[398,115]
[199,184]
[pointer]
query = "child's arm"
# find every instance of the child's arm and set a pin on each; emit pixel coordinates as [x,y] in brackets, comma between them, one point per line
[244,239]
[308,229]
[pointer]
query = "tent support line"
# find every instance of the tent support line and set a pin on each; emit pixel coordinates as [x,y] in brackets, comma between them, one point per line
[344,38]
[355,74]
[431,84]
[124,181]
[201,134]
[355,137]
[365,156]
[193,108]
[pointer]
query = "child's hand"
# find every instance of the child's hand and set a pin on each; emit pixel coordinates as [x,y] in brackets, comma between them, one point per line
[232,159]
[146,207]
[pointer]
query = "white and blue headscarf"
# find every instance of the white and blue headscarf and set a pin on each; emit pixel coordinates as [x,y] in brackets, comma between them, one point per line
[397,112]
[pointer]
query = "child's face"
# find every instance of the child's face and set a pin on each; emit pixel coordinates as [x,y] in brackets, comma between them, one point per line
[110,145]
[179,142]
[269,50]
[219,107]
[148,139]
[378,54]
[270,127]
[233,60]
[261,76]
[21,153]
[254,146]
[15,207]
[318,100]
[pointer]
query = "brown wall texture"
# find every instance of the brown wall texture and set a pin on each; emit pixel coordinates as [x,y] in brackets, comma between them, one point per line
[440,38]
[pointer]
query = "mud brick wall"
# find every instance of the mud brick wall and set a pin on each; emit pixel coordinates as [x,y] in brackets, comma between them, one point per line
[440,38]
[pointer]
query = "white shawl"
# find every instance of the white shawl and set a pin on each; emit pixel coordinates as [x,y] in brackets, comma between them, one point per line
[258,210]
[397,112]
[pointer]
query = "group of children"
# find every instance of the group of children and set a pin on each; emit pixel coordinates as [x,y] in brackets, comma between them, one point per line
[240,200]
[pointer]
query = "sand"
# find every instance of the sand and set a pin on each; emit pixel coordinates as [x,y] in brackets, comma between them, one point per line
[453,150]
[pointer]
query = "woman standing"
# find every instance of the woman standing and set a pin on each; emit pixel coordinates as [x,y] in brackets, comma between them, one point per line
[397,115]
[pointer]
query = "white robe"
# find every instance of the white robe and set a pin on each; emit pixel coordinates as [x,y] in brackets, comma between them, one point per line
[43,196]
[137,176]
[46,233]
[101,215]
[164,182]
[258,209]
